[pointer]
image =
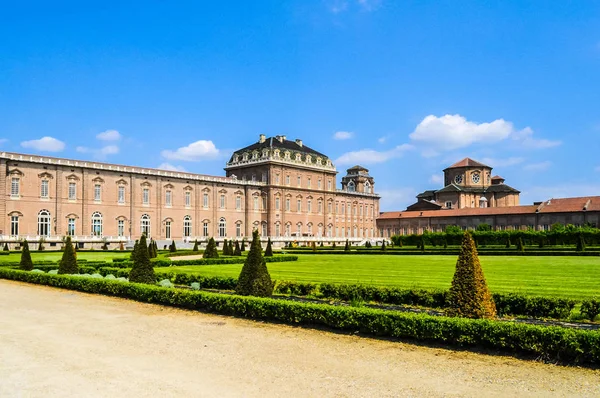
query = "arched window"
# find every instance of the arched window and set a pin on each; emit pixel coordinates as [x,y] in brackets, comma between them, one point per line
[351,186]
[222,227]
[187,226]
[367,187]
[145,225]
[44,223]
[96,224]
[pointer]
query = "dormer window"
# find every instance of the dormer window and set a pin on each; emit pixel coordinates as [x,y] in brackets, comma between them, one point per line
[308,159]
[319,161]
[236,158]
[287,155]
[298,157]
[265,153]
[245,156]
[367,187]
[254,155]
[276,153]
[351,186]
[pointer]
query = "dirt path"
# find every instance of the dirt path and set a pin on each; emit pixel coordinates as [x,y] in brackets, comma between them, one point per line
[57,343]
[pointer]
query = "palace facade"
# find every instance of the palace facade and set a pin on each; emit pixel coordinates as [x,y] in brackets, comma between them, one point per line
[472,196]
[283,188]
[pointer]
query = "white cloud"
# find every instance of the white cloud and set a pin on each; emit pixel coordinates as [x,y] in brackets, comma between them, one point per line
[382,140]
[369,5]
[109,135]
[371,156]
[538,166]
[44,144]
[451,132]
[436,179]
[343,135]
[99,153]
[396,199]
[539,193]
[196,151]
[337,6]
[170,167]
[502,162]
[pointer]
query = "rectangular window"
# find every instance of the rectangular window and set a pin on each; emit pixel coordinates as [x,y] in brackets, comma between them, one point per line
[121,194]
[308,183]
[167,229]
[264,203]
[277,179]
[188,198]
[277,230]
[337,207]
[329,185]
[319,184]
[14,188]
[329,206]
[287,180]
[264,177]
[222,202]
[146,196]
[360,211]
[205,229]
[72,191]
[238,203]
[255,200]
[309,205]
[287,205]
[448,205]
[299,205]
[71,227]
[276,203]
[168,198]
[320,207]
[299,181]
[238,230]
[97,193]
[121,227]
[205,201]
[14,225]
[44,189]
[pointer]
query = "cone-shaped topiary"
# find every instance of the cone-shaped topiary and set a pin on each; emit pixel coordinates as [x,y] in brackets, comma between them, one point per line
[445,243]
[580,243]
[383,247]
[400,242]
[254,280]
[225,247]
[195,245]
[173,247]
[68,263]
[26,264]
[243,247]
[211,249]
[313,246]
[121,246]
[347,246]
[422,243]
[507,242]
[6,249]
[142,270]
[134,251]
[41,246]
[232,248]
[520,246]
[469,295]
[236,250]
[332,246]
[269,249]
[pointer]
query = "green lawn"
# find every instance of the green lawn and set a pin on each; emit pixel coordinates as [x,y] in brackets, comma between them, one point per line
[574,277]
[56,255]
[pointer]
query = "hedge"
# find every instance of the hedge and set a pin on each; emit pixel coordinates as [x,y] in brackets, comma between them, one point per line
[446,252]
[547,342]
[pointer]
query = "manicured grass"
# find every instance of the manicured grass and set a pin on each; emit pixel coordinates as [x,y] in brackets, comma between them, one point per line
[56,255]
[573,277]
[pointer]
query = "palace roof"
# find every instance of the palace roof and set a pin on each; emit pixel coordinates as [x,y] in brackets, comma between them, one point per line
[467,162]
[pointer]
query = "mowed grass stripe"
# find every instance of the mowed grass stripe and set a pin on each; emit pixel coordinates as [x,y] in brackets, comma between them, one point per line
[573,277]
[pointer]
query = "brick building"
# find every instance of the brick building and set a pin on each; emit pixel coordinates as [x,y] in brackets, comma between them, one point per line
[283,188]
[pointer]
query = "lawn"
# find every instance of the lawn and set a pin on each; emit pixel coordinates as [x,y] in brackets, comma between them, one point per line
[56,255]
[574,277]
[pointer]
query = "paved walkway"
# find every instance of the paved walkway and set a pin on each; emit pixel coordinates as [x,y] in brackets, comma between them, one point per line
[57,343]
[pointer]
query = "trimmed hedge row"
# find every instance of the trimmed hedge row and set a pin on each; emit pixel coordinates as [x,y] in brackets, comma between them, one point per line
[548,342]
[451,252]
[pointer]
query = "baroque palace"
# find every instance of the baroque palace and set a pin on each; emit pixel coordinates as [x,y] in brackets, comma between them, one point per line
[283,188]
[472,196]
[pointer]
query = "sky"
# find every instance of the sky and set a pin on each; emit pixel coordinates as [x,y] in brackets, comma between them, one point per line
[404,88]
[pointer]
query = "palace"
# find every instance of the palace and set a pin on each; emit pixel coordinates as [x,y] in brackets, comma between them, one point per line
[283,188]
[472,196]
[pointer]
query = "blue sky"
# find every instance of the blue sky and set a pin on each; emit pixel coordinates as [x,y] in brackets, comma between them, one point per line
[404,88]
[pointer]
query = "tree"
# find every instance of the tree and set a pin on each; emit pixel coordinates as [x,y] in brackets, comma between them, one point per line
[231,249]
[152,249]
[347,247]
[195,245]
[41,245]
[26,264]
[142,270]
[484,227]
[383,247]
[334,246]
[269,249]
[254,280]
[68,262]
[507,242]
[173,247]
[520,246]
[211,249]
[422,243]
[469,295]
[225,248]
[121,246]
[6,249]
[445,242]
[237,251]
[313,246]
[368,245]
[243,248]
[580,243]
[134,251]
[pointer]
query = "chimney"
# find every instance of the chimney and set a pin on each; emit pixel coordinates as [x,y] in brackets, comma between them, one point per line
[261,138]
[299,142]
[283,137]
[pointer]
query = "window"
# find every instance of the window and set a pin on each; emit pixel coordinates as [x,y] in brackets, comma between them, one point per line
[14,225]
[121,194]
[187,226]
[255,202]
[238,230]
[188,198]
[287,229]
[71,227]
[309,229]
[299,229]
[238,202]
[205,201]
[264,203]
[351,187]
[222,202]
[44,191]
[320,231]
[222,227]
[329,207]
[97,192]
[204,228]
[44,223]
[277,179]
[146,196]
[360,211]
[277,203]
[14,187]
[287,204]
[145,225]
[319,184]
[320,207]
[72,191]
[168,198]
[277,230]
[121,227]
[343,209]
[299,205]
[287,180]
[337,207]
[329,227]
[167,229]
[308,182]
[309,205]
[264,229]
[367,187]
[299,181]
[264,177]
[96,224]
[329,185]
[337,232]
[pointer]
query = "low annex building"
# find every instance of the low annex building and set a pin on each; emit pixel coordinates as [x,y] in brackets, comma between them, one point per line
[472,196]
[283,188]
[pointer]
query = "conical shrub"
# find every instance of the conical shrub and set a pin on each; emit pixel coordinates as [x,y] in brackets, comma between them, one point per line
[243,247]
[254,280]
[383,247]
[68,263]
[6,249]
[269,249]
[347,246]
[195,245]
[231,249]
[26,264]
[225,250]
[142,270]
[469,295]
[211,249]
[237,251]
[134,251]
[580,243]
[520,246]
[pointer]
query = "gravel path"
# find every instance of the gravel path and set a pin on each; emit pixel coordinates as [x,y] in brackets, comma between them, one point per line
[57,343]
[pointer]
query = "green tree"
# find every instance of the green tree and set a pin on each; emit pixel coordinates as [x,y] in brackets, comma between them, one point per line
[173,247]
[26,264]
[243,248]
[254,280]
[507,242]
[211,249]
[469,295]
[484,227]
[41,245]
[195,249]
[236,250]
[225,250]
[347,246]
[334,246]
[68,262]
[231,248]
[520,246]
[422,243]
[383,247]
[580,243]
[313,246]
[269,249]
[142,270]
[134,251]
[6,249]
